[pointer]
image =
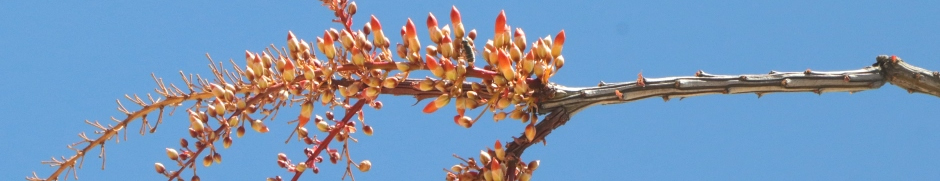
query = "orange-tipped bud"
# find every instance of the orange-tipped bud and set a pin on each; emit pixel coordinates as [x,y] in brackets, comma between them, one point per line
[447,47]
[500,22]
[259,126]
[528,64]
[410,30]
[530,132]
[558,44]
[434,66]
[292,44]
[504,65]
[500,153]
[305,110]
[496,170]
[432,21]
[346,38]
[463,121]
[328,48]
[454,15]
[375,24]
[449,72]
[289,70]
[430,108]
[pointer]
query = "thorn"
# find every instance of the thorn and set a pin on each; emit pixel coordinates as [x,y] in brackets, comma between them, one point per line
[818,91]
[909,91]
[808,72]
[759,95]
[665,98]
[619,95]
[681,98]
[700,73]
[640,81]
[784,82]
[894,59]
[602,83]
[726,91]
[846,78]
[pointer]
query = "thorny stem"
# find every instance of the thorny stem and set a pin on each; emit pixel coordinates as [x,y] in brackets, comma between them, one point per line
[561,102]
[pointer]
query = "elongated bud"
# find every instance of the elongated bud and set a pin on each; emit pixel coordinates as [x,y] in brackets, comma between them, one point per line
[377,32]
[368,130]
[159,167]
[530,132]
[240,131]
[500,153]
[227,142]
[352,8]
[170,152]
[558,44]
[496,170]
[426,85]
[259,126]
[504,65]
[323,126]
[518,38]
[454,16]
[447,47]
[329,49]
[500,22]
[485,157]
[442,100]
[390,82]
[433,29]
[305,110]
[289,70]
[434,66]
[207,161]
[430,108]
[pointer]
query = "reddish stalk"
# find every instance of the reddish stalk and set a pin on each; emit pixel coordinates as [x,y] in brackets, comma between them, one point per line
[329,138]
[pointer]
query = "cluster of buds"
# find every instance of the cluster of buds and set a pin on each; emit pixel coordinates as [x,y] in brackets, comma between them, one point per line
[354,67]
[492,166]
[510,77]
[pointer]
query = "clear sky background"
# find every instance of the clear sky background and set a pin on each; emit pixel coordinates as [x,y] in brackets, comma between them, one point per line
[65,62]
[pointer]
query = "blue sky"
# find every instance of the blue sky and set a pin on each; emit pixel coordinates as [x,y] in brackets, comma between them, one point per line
[66,62]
